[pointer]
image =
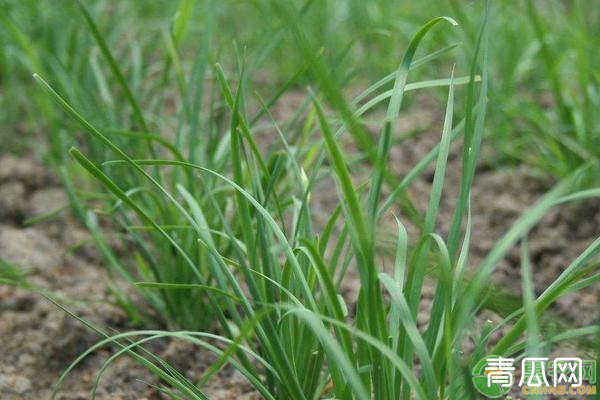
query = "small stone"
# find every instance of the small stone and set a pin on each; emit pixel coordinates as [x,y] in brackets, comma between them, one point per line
[28,248]
[45,201]
[12,195]
[14,384]
[23,169]
[25,360]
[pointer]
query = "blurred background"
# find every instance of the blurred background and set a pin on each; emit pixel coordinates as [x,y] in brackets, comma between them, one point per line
[543,62]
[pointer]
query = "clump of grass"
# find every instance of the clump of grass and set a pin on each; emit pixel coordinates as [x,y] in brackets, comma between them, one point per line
[546,86]
[157,260]
[13,275]
[574,138]
[209,219]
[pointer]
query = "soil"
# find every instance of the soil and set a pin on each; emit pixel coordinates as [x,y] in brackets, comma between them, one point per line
[38,340]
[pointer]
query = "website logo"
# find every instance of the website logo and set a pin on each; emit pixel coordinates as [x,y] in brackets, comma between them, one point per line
[494,376]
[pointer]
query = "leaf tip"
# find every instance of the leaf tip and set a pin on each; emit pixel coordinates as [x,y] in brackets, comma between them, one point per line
[452,21]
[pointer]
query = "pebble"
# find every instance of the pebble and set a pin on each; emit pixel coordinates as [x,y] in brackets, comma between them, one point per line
[13,385]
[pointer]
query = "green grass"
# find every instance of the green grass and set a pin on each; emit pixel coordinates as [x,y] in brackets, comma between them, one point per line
[221,230]
[550,60]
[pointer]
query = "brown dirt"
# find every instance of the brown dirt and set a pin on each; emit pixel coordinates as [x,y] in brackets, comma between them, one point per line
[37,340]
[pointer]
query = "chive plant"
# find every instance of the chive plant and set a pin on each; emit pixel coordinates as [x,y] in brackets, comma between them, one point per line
[574,138]
[155,259]
[208,216]
[545,85]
